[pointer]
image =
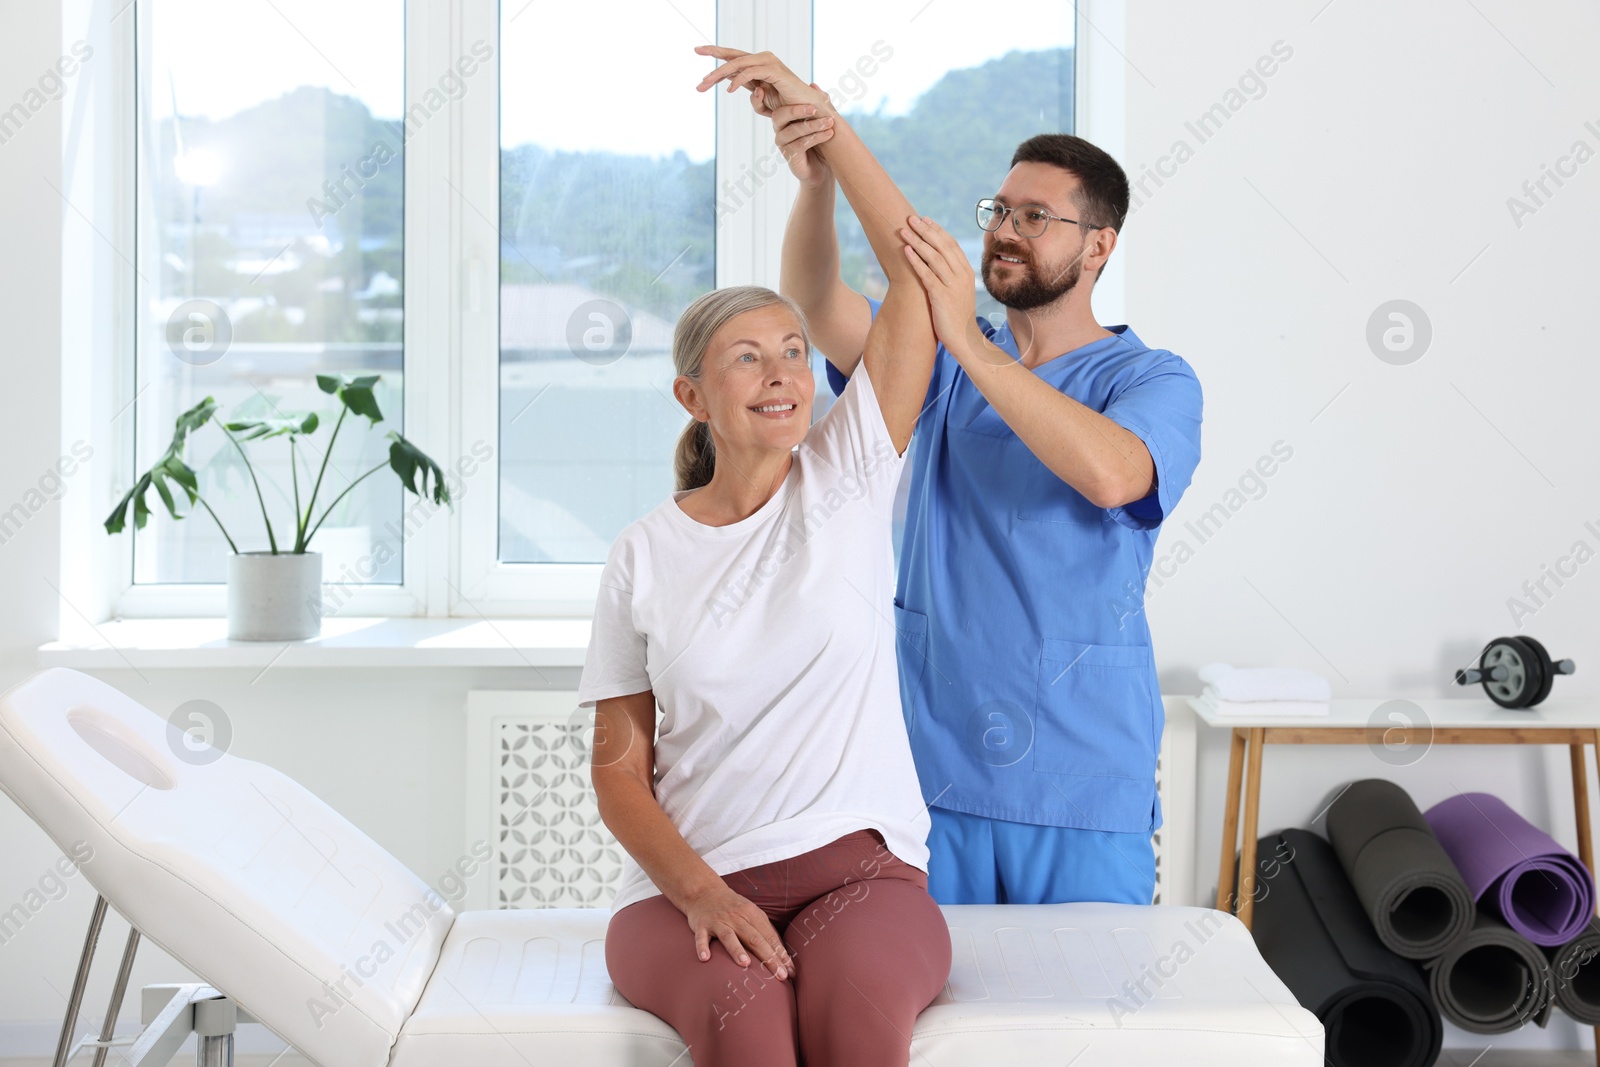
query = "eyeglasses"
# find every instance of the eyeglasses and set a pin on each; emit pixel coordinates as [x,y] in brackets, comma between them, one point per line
[1029,220]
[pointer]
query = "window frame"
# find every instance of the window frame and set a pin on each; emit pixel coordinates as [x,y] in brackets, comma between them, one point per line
[425,403]
[748,251]
[451,336]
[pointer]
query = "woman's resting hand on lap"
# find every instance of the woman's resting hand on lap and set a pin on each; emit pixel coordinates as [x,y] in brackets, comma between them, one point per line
[717,911]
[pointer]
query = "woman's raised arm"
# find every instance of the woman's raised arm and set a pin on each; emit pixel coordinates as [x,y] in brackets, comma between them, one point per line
[904,343]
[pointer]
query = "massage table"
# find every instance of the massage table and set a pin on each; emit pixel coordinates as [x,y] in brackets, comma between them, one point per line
[295,919]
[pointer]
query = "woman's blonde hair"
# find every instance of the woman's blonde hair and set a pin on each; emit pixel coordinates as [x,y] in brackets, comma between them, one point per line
[695,459]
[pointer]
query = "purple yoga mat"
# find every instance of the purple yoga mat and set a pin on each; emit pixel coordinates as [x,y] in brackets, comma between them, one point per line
[1515,869]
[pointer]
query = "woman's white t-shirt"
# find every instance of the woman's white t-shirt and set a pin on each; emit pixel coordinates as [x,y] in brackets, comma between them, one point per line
[769,646]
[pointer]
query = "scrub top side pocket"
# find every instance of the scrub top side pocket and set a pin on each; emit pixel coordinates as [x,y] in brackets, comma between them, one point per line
[911,650]
[1092,715]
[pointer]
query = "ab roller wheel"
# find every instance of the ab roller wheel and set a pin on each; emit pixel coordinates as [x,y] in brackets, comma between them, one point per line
[1516,672]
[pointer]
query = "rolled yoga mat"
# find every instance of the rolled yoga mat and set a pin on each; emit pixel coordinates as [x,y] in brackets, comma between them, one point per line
[1576,971]
[1493,980]
[1374,1006]
[1403,877]
[1514,869]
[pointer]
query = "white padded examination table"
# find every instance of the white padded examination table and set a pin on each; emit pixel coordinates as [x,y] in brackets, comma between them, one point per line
[279,902]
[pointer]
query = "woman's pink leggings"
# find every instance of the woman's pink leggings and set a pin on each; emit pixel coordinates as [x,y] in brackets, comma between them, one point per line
[870,949]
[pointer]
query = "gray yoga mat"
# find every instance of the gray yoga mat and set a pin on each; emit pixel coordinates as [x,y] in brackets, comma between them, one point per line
[1374,1005]
[1576,971]
[1417,901]
[1493,980]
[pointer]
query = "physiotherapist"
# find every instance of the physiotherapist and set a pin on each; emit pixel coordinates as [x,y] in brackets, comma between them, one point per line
[1048,453]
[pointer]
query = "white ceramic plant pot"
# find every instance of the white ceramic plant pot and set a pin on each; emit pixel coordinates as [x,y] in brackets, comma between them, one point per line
[274,597]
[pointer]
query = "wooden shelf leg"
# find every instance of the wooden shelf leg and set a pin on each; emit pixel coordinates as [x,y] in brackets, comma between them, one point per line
[1580,804]
[1252,809]
[1226,900]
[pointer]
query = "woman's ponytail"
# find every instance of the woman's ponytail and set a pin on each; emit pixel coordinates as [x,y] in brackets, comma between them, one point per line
[696,456]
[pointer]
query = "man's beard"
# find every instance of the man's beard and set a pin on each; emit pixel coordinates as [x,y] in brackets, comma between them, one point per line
[1029,289]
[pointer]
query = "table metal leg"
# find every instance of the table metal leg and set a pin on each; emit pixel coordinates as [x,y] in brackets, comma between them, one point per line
[1226,900]
[1252,810]
[80,981]
[119,988]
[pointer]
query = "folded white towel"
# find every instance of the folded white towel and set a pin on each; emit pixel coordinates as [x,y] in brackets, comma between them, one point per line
[1249,684]
[1209,701]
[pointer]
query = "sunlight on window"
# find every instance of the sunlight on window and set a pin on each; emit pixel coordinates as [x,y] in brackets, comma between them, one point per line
[270,249]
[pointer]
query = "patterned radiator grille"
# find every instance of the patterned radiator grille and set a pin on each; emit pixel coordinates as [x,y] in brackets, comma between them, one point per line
[553,850]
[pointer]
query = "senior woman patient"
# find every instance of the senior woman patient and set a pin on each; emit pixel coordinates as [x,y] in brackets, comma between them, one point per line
[774,905]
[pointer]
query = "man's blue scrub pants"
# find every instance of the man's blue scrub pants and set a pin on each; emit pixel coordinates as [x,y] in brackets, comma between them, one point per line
[977,860]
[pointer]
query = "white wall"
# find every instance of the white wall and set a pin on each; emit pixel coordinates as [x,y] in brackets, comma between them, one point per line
[1390,141]
[1376,165]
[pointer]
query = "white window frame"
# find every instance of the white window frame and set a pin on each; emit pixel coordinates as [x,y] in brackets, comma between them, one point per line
[451,355]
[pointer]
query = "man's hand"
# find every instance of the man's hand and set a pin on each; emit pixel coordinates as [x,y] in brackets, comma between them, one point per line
[780,86]
[798,129]
[947,278]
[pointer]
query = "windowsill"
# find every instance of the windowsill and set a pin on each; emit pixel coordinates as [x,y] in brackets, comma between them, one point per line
[194,643]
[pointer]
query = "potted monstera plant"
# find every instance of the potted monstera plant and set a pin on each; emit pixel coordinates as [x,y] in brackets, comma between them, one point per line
[276,594]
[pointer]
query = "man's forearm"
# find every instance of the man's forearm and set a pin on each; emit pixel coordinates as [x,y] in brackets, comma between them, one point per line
[1103,460]
[810,249]
[810,275]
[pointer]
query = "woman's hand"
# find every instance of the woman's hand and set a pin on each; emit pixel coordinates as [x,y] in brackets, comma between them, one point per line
[735,921]
[779,85]
[798,129]
[947,277]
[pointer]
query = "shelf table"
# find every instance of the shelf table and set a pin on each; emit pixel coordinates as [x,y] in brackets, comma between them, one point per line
[1437,721]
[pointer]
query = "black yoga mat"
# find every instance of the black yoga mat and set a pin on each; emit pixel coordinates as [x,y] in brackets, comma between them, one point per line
[1576,968]
[1493,980]
[1412,892]
[1374,1006]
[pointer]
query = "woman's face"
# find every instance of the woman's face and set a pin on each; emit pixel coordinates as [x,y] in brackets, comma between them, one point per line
[755,382]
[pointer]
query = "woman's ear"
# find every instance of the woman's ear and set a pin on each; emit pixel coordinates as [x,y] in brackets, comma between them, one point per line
[688,394]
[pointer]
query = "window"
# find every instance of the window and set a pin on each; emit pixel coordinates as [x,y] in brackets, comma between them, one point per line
[449,194]
[270,239]
[607,219]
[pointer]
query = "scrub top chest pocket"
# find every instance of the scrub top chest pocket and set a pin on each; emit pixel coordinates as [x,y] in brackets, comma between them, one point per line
[1046,498]
[1013,477]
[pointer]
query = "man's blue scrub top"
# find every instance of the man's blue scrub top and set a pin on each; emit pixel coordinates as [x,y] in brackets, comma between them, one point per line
[1026,672]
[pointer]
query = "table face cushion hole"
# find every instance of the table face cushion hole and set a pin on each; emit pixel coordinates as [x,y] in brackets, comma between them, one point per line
[120,747]
[1422,915]
[1536,897]
[1366,1032]
[1489,981]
